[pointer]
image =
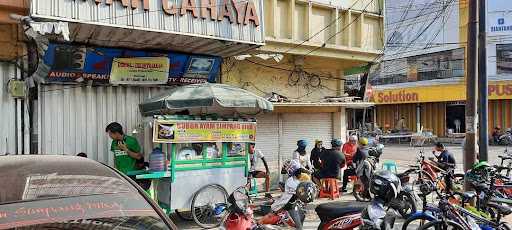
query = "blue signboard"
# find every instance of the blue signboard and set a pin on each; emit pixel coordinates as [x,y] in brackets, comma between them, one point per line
[73,63]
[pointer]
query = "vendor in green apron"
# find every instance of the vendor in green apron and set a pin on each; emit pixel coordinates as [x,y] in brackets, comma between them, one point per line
[128,156]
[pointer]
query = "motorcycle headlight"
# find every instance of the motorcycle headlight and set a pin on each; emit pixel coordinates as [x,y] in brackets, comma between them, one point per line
[240,201]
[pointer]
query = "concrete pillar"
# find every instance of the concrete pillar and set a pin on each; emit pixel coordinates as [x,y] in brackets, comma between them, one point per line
[339,125]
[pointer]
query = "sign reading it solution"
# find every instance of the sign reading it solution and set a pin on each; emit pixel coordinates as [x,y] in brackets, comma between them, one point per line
[497,90]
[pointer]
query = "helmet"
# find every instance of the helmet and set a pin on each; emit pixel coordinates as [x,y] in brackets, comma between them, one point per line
[306,192]
[385,185]
[352,138]
[302,143]
[481,165]
[363,141]
[290,166]
[336,143]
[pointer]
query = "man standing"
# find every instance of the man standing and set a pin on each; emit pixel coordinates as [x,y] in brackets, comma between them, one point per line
[349,150]
[363,167]
[316,153]
[332,161]
[400,125]
[255,155]
[127,150]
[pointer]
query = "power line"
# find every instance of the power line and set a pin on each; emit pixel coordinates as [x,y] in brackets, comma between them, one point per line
[323,29]
[343,29]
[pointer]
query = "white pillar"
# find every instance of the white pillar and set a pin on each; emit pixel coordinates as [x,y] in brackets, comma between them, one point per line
[339,125]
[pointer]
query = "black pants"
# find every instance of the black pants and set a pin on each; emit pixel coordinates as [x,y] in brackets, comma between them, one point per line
[348,172]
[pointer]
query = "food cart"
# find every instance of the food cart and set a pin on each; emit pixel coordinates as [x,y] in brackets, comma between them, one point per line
[207,159]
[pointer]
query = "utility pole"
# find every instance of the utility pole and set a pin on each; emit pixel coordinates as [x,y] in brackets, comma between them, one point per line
[483,130]
[471,88]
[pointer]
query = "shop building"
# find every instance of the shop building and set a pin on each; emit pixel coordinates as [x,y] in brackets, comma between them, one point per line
[425,82]
[12,69]
[310,48]
[88,50]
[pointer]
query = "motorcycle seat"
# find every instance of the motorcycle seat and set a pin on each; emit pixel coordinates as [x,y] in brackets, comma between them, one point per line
[504,210]
[467,196]
[333,210]
[505,157]
[501,168]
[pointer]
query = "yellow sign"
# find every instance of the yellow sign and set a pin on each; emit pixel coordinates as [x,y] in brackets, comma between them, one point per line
[203,131]
[141,70]
[438,93]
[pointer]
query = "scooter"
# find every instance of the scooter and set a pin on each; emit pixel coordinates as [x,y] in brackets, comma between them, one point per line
[341,216]
[291,215]
[240,216]
[406,203]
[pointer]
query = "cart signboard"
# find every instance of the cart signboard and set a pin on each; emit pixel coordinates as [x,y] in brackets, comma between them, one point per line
[176,131]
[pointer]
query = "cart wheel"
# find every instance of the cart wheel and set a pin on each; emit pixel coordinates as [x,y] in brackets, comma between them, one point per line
[184,215]
[208,206]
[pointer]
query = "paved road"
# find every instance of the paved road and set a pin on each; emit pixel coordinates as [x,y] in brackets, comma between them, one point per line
[403,155]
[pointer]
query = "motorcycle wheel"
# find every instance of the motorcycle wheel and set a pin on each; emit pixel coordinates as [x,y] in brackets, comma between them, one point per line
[504,226]
[415,222]
[358,192]
[405,204]
[440,224]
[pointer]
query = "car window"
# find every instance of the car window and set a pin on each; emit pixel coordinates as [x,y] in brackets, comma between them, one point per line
[106,211]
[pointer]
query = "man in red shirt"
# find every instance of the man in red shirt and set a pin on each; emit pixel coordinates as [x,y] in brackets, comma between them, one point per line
[349,150]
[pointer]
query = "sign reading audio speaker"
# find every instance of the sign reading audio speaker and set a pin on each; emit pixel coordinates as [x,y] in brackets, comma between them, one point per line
[142,70]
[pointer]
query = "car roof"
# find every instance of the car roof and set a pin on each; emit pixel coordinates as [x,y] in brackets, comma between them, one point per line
[34,176]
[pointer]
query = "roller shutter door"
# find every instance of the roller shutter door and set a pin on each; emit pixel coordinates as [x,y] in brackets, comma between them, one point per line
[308,126]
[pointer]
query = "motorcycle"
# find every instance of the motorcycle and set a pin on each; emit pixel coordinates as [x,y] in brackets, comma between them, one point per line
[291,215]
[376,151]
[239,215]
[406,203]
[359,190]
[341,216]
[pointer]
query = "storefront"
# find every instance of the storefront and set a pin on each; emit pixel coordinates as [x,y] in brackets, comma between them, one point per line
[437,108]
[116,55]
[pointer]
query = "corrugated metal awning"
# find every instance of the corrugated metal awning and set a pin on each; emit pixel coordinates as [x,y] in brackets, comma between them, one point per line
[109,36]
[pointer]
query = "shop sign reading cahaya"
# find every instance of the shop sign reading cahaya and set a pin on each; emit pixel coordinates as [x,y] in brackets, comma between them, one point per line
[438,93]
[207,9]
[230,20]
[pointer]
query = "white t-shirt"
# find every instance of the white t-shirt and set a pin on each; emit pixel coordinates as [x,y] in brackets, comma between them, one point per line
[304,160]
[255,157]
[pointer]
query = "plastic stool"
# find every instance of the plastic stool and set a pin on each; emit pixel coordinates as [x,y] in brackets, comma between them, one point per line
[389,165]
[329,188]
[254,187]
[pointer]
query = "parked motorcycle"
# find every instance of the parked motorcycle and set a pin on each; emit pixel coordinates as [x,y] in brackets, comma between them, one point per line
[406,203]
[239,214]
[371,216]
[376,151]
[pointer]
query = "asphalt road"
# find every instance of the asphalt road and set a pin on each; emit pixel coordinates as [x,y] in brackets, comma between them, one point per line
[403,155]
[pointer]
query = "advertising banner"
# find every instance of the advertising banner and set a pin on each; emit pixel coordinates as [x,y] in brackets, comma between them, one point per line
[203,131]
[144,70]
[72,63]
